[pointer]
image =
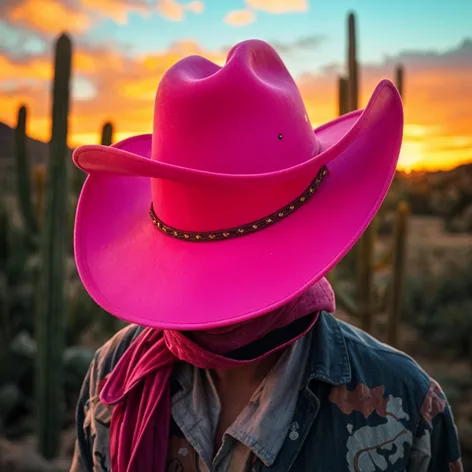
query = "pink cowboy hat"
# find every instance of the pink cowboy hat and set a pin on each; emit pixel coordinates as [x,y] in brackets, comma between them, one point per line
[234,205]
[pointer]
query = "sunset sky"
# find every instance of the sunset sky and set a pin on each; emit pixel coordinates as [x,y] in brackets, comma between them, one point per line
[122,48]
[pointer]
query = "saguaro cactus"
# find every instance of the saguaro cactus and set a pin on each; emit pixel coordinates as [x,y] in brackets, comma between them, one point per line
[398,272]
[352,63]
[399,73]
[5,252]
[108,323]
[343,97]
[51,303]
[363,305]
[24,174]
[4,234]
[365,277]
[365,245]
[107,134]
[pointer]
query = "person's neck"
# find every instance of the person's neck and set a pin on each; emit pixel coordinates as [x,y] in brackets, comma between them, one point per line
[250,375]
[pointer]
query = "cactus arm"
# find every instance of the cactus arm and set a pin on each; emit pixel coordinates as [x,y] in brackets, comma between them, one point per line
[24,174]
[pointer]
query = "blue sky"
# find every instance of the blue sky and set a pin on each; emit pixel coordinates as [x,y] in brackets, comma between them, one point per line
[122,48]
[384,28]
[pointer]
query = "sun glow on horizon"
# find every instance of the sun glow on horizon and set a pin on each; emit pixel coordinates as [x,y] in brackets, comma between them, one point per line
[426,146]
[417,153]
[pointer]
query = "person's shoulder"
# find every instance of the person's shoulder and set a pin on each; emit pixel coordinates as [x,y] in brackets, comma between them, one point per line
[115,347]
[108,355]
[375,363]
[90,410]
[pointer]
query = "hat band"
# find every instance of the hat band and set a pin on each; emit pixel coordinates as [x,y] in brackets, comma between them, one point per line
[249,228]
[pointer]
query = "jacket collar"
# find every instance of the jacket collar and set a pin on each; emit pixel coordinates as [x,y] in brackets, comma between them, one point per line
[329,358]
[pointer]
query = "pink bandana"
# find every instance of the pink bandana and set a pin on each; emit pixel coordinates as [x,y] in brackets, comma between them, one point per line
[139,389]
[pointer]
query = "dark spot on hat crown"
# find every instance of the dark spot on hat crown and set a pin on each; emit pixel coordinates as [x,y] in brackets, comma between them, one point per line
[280,136]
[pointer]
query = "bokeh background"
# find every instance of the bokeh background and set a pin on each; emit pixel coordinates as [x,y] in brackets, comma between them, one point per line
[409,279]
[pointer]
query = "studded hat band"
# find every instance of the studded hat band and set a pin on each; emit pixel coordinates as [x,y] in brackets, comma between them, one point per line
[244,229]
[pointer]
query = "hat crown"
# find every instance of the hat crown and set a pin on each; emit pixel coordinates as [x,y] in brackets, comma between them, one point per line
[246,117]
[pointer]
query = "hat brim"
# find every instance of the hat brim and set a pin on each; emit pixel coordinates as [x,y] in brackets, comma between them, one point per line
[142,276]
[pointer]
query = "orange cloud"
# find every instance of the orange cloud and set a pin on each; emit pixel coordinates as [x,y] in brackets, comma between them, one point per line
[37,68]
[124,89]
[97,63]
[47,16]
[437,113]
[171,10]
[239,17]
[195,7]
[278,6]
[118,10]
[175,11]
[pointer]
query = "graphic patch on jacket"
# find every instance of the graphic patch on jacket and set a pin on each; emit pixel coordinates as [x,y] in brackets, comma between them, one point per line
[384,443]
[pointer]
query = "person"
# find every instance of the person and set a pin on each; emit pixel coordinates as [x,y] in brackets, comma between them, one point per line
[211,237]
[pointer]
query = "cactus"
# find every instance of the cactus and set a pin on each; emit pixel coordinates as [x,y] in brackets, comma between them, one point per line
[109,324]
[51,300]
[343,97]
[39,177]
[24,175]
[398,272]
[365,306]
[399,79]
[365,245]
[365,277]
[4,235]
[4,254]
[353,68]
[107,134]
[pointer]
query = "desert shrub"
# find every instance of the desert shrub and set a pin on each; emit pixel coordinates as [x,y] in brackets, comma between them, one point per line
[440,306]
[461,222]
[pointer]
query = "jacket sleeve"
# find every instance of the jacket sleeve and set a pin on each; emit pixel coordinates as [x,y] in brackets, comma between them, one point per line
[92,417]
[82,459]
[436,444]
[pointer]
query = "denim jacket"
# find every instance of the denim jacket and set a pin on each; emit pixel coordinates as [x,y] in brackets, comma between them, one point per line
[362,407]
